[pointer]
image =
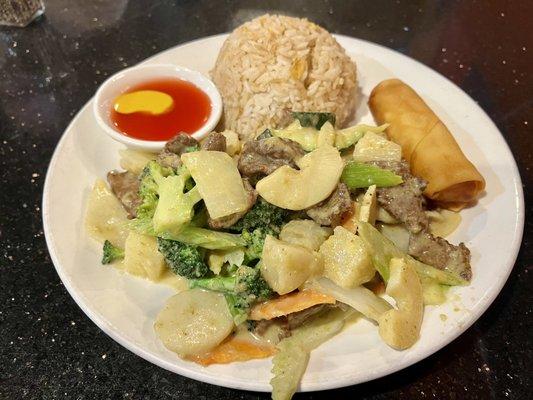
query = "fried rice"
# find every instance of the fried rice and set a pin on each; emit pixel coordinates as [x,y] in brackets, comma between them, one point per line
[275,64]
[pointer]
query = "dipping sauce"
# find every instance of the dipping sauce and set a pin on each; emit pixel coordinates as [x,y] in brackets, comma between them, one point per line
[190,110]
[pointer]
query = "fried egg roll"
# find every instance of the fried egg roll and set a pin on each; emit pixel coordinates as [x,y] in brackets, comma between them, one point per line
[429,147]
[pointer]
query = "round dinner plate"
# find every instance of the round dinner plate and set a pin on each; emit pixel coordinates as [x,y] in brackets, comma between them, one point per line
[125,307]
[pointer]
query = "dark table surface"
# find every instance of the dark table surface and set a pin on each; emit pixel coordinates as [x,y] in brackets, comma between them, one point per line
[49,349]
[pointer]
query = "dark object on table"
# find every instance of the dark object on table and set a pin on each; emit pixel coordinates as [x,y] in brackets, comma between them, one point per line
[20,12]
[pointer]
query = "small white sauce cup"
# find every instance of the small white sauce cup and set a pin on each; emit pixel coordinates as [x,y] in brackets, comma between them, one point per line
[124,80]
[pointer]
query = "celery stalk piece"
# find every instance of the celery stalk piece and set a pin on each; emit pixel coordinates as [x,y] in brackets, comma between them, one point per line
[349,136]
[290,362]
[382,250]
[357,175]
[359,298]
[206,238]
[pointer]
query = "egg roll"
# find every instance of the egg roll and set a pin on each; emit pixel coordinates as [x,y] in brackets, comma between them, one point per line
[432,152]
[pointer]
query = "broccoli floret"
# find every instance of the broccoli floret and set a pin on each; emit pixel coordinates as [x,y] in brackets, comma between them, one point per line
[251,325]
[191,149]
[183,259]
[167,206]
[111,253]
[244,287]
[254,240]
[262,215]
[148,192]
[262,220]
[206,238]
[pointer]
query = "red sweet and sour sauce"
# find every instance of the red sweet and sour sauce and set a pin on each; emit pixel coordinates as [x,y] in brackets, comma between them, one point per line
[191,110]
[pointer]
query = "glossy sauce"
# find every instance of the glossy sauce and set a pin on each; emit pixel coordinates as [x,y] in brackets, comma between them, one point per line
[190,111]
[443,222]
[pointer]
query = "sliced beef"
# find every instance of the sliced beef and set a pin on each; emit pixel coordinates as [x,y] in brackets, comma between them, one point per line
[331,210]
[226,222]
[437,252]
[404,202]
[261,328]
[289,322]
[168,159]
[181,143]
[294,320]
[262,157]
[125,185]
[174,148]
[214,142]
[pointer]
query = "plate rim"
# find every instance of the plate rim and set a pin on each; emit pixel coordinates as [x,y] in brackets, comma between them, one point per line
[483,304]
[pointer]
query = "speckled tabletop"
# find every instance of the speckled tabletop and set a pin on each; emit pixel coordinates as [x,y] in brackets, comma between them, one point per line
[50,350]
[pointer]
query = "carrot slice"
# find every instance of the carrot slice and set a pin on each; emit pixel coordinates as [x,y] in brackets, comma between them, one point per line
[234,349]
[238,349]
[289,303]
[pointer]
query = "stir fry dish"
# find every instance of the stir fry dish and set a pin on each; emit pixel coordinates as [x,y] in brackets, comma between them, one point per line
[290,224]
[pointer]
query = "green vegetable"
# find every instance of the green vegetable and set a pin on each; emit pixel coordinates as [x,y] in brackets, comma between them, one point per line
[217,259]
[263,214]
[251,325]
[149,196]
[190,149]
[314,119]
[347,137]
[254,241]
[433,292]
[288,367]
[166,205]
[206,238]
[111,253]
[183,259]
[290,362]
[200,218]
[382,250]
[357,175]
[242,288]
[359,297]
[306,137]
[262,220]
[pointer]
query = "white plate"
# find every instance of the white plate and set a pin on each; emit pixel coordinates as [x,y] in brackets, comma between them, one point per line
[125,307]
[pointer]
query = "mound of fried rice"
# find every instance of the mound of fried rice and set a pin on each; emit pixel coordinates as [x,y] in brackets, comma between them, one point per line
[275,64]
